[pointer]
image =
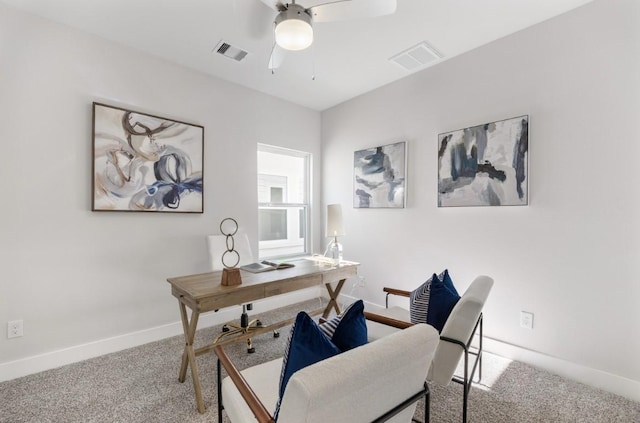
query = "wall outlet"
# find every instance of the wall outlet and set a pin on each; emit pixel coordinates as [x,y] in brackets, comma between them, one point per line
[361,281]
[14,329]
[526,320]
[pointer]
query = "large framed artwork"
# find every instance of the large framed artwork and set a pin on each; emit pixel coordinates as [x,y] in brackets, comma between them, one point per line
[145,163]
[380,176]
[485,165]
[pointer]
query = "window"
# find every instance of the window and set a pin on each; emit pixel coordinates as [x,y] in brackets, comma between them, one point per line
[283,201]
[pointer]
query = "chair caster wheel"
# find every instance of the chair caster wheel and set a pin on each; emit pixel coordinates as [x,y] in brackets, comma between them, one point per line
[251,350]
[276,334]
[225,328]
[259,323]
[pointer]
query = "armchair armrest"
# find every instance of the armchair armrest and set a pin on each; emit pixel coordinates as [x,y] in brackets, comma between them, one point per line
[400,324]
[253,402]
[393,291]
[399,292]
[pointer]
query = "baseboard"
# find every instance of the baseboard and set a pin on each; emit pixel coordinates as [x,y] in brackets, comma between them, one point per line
[596,378]
[76,353]
[14,369]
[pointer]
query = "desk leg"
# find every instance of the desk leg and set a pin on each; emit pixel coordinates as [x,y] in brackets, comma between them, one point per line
[189,355]
[333,298]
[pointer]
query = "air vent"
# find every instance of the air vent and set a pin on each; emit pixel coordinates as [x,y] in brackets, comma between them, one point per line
[417,56]
[227,50]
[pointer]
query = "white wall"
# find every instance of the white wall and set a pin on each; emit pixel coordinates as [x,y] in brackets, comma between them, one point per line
[74,276]
[572,256]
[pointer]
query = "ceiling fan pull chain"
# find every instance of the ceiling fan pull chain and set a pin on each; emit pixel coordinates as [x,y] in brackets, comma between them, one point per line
[313,63]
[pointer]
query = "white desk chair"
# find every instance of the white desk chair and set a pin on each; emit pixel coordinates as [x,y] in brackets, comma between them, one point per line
[217,246]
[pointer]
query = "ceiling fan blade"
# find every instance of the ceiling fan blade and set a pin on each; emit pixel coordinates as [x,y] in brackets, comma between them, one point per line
[256,21]
[276,5]
[351,9]
[277,56]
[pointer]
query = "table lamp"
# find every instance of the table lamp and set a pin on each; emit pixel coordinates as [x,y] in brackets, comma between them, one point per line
[334,229]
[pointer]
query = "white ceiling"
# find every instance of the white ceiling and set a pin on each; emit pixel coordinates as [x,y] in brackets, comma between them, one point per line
[348,58]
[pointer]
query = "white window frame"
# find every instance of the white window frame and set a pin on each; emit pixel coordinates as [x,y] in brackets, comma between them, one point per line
[268,249]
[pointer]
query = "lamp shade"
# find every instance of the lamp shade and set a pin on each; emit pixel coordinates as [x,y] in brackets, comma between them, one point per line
[293,28]
[334,220]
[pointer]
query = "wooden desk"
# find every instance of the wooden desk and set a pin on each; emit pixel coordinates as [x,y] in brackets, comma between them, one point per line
[203,292]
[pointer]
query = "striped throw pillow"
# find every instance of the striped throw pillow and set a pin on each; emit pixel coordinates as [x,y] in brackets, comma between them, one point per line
[419,301]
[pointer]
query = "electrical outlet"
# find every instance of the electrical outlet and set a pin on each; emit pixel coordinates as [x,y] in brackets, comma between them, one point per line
[14,329]
[526,320]
[361,281]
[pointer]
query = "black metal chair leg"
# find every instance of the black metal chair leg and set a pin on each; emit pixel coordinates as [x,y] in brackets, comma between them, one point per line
[427,404]
[219,392]
[480,351]
[465,386]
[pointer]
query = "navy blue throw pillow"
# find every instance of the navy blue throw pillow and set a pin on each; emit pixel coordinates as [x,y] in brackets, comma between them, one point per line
[307,345]
[348,329]
[433,301]
[446,279]
[441,302]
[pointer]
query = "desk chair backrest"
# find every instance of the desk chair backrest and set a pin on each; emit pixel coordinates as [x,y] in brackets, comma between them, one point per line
[459,325]
[362,384]
[217,245]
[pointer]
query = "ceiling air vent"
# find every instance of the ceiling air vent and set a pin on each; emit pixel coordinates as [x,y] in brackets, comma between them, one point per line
[227,50]
[417,56]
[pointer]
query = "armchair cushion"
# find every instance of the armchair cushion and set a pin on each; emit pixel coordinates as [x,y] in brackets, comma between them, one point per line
[348,329]
[433,301]
[307,345]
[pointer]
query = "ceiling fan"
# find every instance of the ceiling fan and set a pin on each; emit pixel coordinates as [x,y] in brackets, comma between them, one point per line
[293,25]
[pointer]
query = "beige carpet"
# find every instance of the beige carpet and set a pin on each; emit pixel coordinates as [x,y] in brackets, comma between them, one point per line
[141,385]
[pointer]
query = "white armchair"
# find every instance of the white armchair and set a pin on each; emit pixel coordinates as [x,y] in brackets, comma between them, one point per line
[379,381]
[462,325]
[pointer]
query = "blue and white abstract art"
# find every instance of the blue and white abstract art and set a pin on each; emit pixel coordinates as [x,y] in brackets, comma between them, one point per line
[379,176]
[484,165]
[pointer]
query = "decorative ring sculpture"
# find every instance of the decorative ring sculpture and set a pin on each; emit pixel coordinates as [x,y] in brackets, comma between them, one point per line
[229,233]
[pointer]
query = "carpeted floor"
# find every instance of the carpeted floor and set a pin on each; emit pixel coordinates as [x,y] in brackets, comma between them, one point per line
[141,385]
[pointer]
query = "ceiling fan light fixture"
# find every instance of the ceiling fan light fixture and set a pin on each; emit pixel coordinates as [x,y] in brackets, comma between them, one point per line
[293,28]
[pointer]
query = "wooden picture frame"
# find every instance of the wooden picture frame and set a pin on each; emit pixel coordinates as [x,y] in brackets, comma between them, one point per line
[146,163]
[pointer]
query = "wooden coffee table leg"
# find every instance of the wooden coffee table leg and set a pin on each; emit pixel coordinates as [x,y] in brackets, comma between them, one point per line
[189,356]
[333,298]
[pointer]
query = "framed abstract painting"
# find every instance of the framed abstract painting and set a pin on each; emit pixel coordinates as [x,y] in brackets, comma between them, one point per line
[380,176]
[145,163]
[485,165]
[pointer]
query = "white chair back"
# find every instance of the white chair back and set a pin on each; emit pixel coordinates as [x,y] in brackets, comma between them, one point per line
[459,325]
[363,383]
[217,245]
